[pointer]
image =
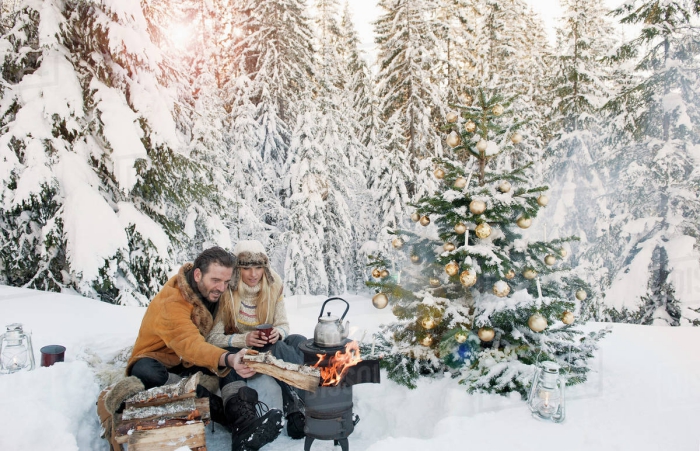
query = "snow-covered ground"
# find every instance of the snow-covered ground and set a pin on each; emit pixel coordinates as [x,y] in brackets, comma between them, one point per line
[643,395]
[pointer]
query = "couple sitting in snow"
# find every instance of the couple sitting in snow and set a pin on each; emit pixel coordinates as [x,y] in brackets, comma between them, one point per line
[202,320]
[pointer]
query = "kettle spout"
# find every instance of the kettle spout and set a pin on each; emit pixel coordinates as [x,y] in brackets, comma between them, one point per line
[345,330]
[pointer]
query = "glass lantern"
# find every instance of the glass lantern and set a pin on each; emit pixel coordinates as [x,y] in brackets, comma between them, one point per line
[16,353]
[546,399]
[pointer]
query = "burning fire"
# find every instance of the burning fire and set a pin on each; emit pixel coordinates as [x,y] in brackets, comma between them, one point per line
[337,366]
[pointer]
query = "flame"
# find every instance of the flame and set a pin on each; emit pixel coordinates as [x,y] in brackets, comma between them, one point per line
[338,365]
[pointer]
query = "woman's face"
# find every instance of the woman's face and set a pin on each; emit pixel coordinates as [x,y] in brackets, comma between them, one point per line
[251,276]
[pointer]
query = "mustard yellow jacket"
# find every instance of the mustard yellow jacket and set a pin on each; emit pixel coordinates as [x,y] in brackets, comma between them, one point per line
[174,328]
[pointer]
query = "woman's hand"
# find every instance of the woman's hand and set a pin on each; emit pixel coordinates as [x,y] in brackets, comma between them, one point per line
[274,336]
[255,339]
[236,361]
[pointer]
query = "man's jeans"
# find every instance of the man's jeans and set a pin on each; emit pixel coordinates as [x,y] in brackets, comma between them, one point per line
[288,351]
[154,374]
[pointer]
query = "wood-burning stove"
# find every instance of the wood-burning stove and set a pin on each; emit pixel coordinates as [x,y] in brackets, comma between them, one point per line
[328,411]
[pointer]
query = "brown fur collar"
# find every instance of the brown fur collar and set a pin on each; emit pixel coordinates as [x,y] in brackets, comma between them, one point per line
[200,315]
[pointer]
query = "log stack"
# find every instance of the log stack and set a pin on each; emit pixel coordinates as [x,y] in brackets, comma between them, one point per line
[163,419]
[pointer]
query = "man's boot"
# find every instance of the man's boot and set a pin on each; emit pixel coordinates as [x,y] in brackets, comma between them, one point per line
[216,406]
[251,430]
[293,412]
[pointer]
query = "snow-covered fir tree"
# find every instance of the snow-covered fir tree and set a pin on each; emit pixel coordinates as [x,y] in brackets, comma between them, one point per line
[408,88]
[509,49]
[468,298]
[274,50]
[652,240]
[304,271]
[357,111]
[579,86]
[93,175]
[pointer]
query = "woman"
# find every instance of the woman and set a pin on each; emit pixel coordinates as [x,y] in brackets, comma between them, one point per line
[255,297]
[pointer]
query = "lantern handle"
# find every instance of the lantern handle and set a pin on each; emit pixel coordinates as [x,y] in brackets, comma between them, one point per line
[533,388]
[559,416]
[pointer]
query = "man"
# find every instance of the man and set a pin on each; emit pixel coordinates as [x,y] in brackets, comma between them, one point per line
[171,345]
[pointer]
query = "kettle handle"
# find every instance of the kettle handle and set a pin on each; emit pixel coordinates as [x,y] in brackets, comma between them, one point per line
[331,299]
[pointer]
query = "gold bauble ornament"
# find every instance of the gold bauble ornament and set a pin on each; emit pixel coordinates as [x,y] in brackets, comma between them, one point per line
[470,126]
[581,295]
[468,278]
[384,274]
[501,289]
[460,228]
[452,268]
[427,341]
[516,138]
[460,182]
[537,322]
[449,247]
[483,230]
[550,259]
[486,333]
[510,275]
[397,243]
[453,139]
[497,110]
[477,206]
[380,300]
[376,273]
[415,217]
[451,117]
[439,173]
[567,318]
[482,145]
[524,222]
[434,282]
[415,259]
[504,187]
[529,274]
[563,252]
[460,337]
[543,200]
[466,99]
[424,221]
[428,323]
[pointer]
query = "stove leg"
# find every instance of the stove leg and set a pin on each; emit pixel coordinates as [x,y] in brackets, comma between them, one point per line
[343,442]
[307,443]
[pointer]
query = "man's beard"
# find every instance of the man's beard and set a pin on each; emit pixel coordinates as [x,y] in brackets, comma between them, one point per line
[206,294]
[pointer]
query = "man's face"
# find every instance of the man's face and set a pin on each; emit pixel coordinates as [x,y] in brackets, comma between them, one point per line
[251,276]
[213,283]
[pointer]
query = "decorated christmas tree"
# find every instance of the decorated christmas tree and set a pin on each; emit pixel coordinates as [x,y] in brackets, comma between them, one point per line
[477,292]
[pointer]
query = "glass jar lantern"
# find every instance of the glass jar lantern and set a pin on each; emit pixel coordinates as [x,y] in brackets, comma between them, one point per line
[16,353]
[546,399]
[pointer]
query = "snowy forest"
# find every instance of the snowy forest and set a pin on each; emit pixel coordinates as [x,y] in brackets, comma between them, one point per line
[135,133]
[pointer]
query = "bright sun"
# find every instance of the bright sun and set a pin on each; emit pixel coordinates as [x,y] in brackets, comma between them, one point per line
[180,35]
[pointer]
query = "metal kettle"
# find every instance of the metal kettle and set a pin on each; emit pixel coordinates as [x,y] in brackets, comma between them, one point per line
[330,330]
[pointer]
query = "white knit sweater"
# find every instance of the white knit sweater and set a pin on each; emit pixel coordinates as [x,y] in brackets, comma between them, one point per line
[246,320]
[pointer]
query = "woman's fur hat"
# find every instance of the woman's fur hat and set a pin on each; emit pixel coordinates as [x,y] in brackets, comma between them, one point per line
[250,253]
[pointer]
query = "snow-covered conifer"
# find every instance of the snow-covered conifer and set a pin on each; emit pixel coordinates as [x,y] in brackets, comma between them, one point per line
[652,239]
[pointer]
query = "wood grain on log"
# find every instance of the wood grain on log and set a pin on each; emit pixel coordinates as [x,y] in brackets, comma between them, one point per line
[167,439]
[299,376]
[122,427]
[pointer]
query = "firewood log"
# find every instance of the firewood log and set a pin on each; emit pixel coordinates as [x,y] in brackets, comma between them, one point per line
[299,376]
